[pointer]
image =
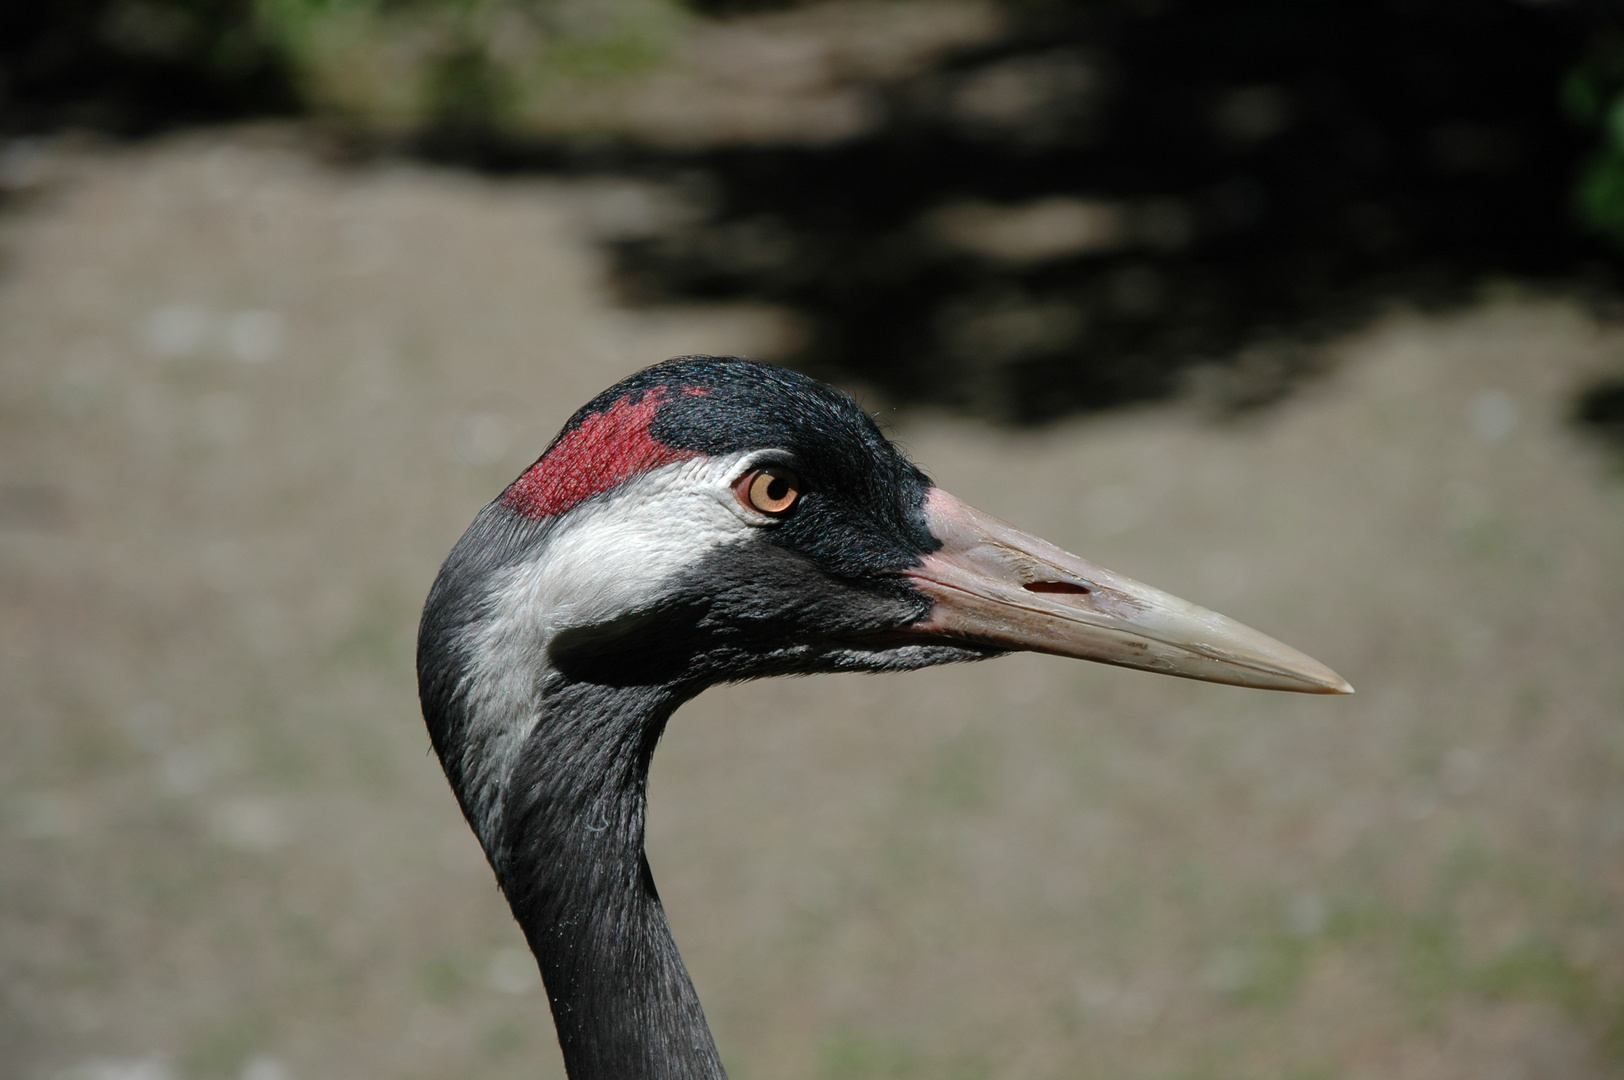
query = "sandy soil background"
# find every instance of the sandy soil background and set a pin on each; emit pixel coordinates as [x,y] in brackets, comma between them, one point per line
[247,402]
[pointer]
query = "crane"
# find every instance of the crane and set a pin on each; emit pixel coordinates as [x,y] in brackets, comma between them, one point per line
[707,520]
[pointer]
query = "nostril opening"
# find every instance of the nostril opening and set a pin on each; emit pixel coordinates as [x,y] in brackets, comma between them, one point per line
[1056,587]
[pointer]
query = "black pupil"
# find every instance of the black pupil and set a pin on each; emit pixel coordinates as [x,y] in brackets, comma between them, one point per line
[777,488]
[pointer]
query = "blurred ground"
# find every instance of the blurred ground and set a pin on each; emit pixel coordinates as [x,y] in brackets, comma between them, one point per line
[248,401]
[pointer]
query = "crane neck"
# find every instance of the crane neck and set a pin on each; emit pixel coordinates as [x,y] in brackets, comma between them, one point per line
[548,752]
[577,879]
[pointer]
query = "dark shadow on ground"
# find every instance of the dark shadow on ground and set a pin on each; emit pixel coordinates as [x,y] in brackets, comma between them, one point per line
[1599,409]
[126,67]
[1116,203]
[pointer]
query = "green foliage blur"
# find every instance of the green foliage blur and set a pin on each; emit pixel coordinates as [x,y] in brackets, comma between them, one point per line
[135,66]
[1593,96]
[498,65]
[509,68]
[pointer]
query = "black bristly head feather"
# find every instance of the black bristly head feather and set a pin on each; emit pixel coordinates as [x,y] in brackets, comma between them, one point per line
[862,513]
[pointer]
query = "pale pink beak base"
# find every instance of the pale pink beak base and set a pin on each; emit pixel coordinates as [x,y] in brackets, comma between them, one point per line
[995,585]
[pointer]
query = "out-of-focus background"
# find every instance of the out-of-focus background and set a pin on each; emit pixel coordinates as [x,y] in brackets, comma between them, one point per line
[1309,312]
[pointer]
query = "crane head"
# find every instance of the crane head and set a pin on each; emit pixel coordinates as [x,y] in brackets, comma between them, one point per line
[710,519]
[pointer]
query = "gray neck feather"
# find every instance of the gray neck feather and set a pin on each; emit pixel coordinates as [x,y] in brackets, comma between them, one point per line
[552,774]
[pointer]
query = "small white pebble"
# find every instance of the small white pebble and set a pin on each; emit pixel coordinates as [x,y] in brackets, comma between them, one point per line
[266,1068]
[1306,915]
[1494,416]
[250,824]
[254,336]
[176,331]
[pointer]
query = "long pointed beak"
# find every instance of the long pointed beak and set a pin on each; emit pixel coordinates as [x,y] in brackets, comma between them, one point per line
[994,585]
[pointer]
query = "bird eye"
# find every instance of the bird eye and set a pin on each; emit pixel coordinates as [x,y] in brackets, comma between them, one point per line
[773,490]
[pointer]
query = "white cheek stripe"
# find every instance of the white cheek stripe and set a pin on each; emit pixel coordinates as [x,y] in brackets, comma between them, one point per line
[604,558]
